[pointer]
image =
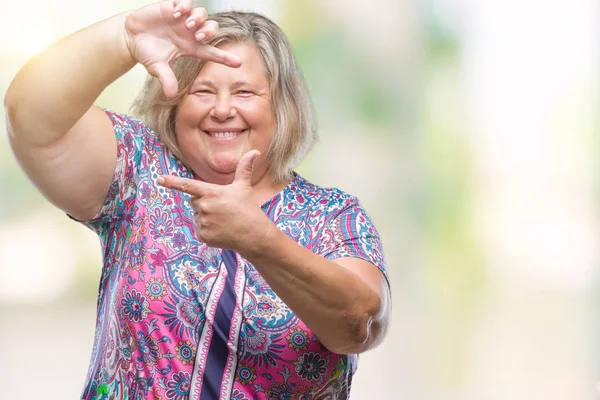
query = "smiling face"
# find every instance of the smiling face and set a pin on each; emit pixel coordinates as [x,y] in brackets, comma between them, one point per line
[227,113]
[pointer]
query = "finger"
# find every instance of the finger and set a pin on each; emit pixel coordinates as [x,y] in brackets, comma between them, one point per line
[207,31]
[195,206]
[243,171]
[167,78]
[214,54]
[189,186]
[197,18]
[182,8]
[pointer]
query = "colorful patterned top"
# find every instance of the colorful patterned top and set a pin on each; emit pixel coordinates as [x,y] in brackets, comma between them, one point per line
[180,320]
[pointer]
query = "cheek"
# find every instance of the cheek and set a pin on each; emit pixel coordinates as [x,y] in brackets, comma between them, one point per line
[191,110]
[258,116]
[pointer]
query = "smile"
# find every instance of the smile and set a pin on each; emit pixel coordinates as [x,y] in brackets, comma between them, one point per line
[225,134]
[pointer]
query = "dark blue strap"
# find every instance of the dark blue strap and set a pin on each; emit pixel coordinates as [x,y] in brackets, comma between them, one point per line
[218,351]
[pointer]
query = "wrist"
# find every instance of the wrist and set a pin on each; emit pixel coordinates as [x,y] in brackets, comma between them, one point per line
[125,42]
[260,239]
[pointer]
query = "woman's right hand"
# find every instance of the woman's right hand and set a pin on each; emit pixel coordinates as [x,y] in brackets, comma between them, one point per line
[159,33]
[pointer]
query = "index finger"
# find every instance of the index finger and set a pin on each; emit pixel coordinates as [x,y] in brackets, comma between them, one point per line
[186,185]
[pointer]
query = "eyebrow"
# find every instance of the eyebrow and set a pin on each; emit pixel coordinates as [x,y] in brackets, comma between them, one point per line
[235,85]
[240,83]
[204,82]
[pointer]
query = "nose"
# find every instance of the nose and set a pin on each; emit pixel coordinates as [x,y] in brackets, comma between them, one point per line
[223,108]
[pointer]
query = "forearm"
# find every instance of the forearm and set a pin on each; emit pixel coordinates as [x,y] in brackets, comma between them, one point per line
[335,303]
[56,88]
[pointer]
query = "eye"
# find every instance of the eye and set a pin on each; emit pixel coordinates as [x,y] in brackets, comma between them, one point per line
[202,91]
[244,93]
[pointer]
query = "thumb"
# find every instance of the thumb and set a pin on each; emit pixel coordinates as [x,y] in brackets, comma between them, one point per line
[167,78]
[243,172]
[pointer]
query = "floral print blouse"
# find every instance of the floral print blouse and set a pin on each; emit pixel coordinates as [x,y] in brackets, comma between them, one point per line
[179,320]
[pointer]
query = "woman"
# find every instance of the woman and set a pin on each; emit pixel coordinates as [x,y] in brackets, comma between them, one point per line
[225,274]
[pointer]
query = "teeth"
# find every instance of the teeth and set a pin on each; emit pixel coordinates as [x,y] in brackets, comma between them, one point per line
[223,135]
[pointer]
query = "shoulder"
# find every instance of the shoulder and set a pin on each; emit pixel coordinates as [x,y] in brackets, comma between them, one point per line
[123,120]
[133,134]
[330,199]
[127,125]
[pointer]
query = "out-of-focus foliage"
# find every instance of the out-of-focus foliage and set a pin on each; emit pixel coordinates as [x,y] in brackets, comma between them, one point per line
[469,130]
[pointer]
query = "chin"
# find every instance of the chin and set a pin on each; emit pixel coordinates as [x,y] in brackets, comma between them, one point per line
[223,179]
[217,170]
[224,167]
[222,174]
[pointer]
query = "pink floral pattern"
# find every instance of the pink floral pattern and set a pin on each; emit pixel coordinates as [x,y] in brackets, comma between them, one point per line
[158,280]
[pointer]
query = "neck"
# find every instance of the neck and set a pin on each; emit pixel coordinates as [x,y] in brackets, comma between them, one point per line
[267,187]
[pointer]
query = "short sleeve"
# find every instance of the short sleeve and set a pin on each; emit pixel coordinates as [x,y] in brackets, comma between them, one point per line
[130,136]
[351,233]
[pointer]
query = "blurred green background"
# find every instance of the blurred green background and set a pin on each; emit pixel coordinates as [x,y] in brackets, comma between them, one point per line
[468,129]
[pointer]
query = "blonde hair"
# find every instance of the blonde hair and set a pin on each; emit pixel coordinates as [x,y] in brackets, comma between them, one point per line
[295,126]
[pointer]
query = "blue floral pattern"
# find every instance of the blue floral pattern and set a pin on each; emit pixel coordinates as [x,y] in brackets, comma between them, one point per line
[157,278]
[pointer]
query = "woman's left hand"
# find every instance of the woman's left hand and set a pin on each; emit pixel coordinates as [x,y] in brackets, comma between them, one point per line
[226,216]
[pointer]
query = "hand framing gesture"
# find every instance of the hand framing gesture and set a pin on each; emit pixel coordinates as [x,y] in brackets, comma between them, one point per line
[226,215]
[161,32]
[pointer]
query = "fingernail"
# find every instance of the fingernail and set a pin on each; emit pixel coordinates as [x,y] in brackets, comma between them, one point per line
[177,15]
[200,36]
[160,180]
[191,23]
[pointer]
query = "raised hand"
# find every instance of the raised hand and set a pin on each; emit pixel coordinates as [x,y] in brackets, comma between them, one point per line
[161,32]
[226,216]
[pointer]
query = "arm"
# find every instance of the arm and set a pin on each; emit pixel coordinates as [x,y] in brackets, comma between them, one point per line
[346,302]
[64,144]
